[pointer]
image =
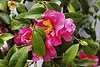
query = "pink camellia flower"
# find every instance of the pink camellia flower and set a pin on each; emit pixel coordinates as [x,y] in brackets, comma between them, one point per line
[23,37]
[56,26]
[84,56]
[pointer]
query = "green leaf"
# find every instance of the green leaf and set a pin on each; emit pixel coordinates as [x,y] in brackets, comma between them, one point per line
[63,2]
[3,6]
[53,6]
[75,16]
[1,42]
[66,45]
[6,36]
[76,4]
[1,55]
[17,24]
[10,53]
[5,18]
[95,8]
[91,48]
[21,8]
[4,63]
[41,32]
[87,62]
[35,13]
[70,7]
[98,3]
[98,17]
[85,6]
[70,54]
[37,5]
[20,16]
[19,58]
[38,44]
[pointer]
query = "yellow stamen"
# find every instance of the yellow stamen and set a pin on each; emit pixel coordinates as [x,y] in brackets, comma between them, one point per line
[48,26]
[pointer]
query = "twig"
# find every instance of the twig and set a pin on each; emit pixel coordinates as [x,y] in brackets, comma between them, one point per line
[76,38]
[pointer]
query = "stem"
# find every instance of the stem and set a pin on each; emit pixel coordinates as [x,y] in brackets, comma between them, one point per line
[76,38]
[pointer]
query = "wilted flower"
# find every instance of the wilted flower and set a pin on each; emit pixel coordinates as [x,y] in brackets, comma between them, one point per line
[84,56]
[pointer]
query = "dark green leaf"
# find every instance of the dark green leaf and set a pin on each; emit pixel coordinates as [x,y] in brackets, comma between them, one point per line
[66,45]
[83,21]
[19,16]
[70,54]
[3,6]
[63,2]
[19,58]
[1,55]
[38,44]
[53,6]
[98,17]
[75,16]
[10,53]
[5,18]
[35,13]
[76,4]
[18,24]
[95,8]
[41,32]
[21,8]
[1,42]
[85,6]
[87,62]
[91,48]
[6,36]
[3,63]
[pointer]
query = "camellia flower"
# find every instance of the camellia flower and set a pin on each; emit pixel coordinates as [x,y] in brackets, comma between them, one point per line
[84,56]
[56,26]
[23,37]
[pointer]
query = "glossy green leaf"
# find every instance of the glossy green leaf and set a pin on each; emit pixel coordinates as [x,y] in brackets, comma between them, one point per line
[85,6]
[87,62]
[1,42]
[41,32]
[19,16]
[35,13]
[4,63]
[53,6]
[38,44]
[21,8]
[3,6]
[91,48]
[5,18]
[19,58]
[6,36]
[75,16]
[70,54]
[95,8]
[37,5]
[17,24]
[10,53]
[70,7]
[1,55]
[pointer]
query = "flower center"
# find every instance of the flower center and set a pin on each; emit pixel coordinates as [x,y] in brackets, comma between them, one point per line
[48,26]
